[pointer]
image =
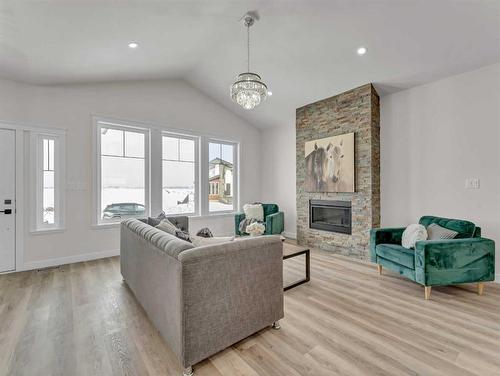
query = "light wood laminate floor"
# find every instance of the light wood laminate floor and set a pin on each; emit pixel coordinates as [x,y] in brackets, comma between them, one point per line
[81,319]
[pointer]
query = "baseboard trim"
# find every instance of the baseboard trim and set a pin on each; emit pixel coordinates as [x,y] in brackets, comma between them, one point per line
[289,235]
[69,259]
[497,278]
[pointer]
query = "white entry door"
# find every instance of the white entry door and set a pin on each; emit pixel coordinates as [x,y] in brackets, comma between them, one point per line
[7,200]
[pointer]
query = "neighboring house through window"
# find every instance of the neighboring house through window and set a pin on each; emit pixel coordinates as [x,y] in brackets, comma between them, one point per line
[222,157]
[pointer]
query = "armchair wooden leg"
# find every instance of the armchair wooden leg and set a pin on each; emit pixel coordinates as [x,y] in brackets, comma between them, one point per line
[480,288]
[427,292]
[379,268]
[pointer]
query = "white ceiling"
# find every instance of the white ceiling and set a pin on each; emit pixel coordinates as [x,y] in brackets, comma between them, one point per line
[304,49]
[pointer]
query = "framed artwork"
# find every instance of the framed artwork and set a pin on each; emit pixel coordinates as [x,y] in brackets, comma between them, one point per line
[330,164]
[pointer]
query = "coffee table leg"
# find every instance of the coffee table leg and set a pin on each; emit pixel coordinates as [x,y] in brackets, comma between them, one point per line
[308,271]
[308,267]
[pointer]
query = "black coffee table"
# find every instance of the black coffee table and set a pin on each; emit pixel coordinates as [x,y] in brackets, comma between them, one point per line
[290,251]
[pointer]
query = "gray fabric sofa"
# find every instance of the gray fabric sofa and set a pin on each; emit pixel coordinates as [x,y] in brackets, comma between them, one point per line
[204,299]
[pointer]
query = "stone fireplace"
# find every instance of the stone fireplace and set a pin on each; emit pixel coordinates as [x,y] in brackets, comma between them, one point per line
[323,218]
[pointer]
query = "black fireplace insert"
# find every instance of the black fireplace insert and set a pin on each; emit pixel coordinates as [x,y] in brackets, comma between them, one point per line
[333,216]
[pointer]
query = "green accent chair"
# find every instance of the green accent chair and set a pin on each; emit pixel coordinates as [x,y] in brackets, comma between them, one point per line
[468,258]
[273,217]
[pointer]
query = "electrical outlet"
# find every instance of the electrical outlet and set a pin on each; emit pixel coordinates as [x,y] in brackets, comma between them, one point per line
[472,183]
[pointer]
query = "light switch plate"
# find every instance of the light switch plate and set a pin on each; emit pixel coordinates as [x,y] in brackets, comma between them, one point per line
[472,183]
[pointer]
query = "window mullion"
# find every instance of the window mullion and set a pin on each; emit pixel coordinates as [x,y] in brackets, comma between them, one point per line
[156,176]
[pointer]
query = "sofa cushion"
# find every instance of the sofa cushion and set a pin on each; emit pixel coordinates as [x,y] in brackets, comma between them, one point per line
[465,229]
[397,254]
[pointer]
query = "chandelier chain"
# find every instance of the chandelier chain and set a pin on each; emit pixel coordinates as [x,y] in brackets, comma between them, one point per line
[248,47]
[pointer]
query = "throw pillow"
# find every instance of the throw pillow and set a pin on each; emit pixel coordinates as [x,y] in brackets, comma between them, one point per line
[161,216]
[412,234]
[183,235]
[167,226]
[205,233]
[434,232]
[156,221]
[199,241]
[254,211]
[170,228]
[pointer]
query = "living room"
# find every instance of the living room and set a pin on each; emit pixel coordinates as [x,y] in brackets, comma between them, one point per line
[187,152]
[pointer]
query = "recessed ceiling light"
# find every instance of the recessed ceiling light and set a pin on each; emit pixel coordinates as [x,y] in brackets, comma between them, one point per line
[361,50]
[269,92]
[133,45]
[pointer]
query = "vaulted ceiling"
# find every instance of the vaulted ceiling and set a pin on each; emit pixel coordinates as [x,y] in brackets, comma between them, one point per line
[304,49]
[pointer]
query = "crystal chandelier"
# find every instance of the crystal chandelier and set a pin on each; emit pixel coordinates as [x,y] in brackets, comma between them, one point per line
[248,90]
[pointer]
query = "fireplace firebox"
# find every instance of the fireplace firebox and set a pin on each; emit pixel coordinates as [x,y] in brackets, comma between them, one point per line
[333,216]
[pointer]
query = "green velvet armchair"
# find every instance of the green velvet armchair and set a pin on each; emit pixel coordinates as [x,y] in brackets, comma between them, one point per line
[273,217]
[468,258]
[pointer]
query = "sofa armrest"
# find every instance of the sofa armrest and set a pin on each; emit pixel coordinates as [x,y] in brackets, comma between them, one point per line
[384,236]
[454,261]
[238,217]
[229,291]
[275,223]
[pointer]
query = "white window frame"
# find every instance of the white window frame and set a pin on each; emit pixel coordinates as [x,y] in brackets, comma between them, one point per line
[196,170]
[121,126]
[36,162]
[235,186]
[154,167]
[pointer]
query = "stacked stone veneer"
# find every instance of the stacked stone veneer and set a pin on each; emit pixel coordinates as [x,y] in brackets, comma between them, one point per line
[355,111]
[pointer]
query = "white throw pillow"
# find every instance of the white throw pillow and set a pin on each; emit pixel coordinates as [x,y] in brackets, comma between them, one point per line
[200,241]
[412,234]
[254,211]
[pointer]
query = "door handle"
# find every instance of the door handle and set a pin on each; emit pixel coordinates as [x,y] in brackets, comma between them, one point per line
[6,211]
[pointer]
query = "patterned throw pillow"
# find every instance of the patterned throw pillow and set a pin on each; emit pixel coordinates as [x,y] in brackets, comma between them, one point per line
[205,233]
[435,232]
[183,235]
[412,234]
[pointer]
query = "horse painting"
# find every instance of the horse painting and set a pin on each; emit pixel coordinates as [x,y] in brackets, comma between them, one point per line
[330,164]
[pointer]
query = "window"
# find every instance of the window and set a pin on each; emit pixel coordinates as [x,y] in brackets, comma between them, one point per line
[48,181]
[123,172]
[48,174]
[179,172]
[221,175]
[141,170]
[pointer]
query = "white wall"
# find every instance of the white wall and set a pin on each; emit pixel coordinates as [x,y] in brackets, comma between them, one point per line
[170,103]
[279,172]
[435,136]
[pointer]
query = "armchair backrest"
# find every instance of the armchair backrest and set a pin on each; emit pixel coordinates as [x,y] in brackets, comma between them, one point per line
[464,228]
[270,209]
